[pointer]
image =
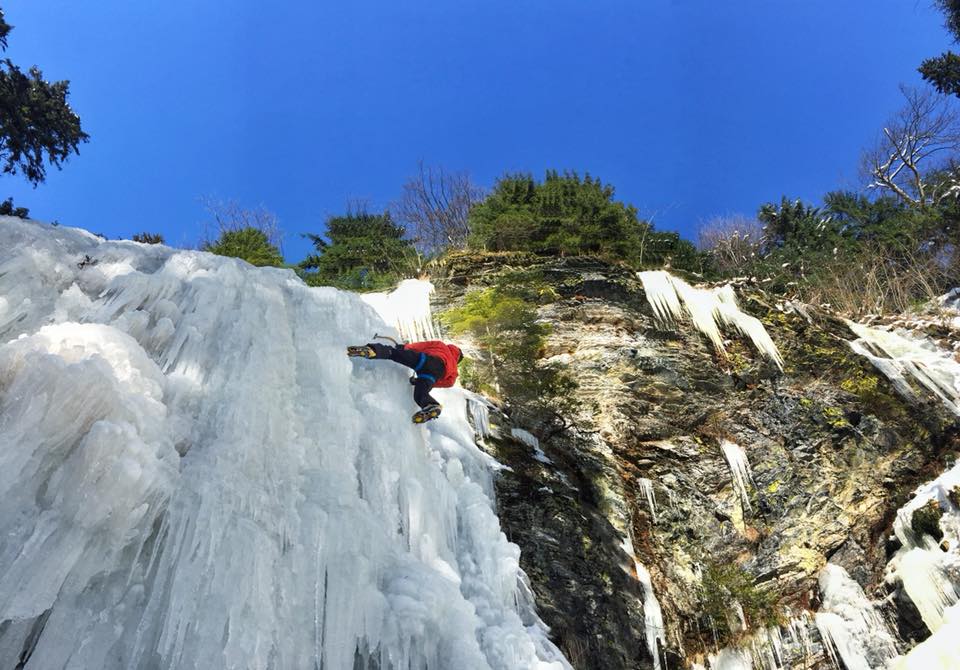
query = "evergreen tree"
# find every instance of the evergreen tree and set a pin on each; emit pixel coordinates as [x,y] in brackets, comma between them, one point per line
[250,244]
[37,125]
[569,215]
[943,71]
[148,238]
[361,251]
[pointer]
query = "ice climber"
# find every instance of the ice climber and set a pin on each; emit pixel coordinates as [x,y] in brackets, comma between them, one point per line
[433,361]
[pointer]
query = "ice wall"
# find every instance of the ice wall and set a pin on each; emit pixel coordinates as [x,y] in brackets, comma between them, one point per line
[194,475]
[927,570]
[407,309]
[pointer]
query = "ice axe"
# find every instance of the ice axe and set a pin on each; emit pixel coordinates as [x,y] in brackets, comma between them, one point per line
[386,337]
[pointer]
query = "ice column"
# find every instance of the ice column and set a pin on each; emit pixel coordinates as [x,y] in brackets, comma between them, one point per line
[849,624]
[739,468]
[646,487]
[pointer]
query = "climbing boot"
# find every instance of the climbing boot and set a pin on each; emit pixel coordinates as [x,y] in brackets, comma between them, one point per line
[427,413]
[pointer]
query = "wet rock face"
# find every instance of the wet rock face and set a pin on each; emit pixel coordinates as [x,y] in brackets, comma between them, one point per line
[832,452]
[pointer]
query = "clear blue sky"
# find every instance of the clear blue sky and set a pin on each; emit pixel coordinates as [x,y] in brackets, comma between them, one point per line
[690,108]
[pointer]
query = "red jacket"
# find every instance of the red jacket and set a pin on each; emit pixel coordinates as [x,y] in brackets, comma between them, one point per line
[448,353]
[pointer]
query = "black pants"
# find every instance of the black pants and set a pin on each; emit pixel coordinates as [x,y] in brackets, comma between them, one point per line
[430,370]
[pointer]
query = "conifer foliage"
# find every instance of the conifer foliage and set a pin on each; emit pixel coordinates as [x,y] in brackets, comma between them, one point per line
[250,244]
[943,71]
[569,215]
[37,125]
[361,251]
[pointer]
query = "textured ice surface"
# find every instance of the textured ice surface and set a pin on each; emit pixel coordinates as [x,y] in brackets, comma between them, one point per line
[731,658]
[849,624]
[673,300]
[407,308]
[194,475]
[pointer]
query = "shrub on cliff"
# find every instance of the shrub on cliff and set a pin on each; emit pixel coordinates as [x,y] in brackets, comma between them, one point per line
[729,590]
[505,326]
[569,215]
[857,254]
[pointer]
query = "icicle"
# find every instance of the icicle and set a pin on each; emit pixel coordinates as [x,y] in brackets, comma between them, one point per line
[731,658]
[652,615]
[661,295]
[654,629]
[479,409]
[901,354]
[739,468]
[646,487]
[920,565]
[531,440]
[850,625]
[526,437]
[671,298]
[924,580]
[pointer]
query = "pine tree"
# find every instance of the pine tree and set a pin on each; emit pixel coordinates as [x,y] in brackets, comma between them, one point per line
[943,71]
[37,125]
[361,251]
[250,244]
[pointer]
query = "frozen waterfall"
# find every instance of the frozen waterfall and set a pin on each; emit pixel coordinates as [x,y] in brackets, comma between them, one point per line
[194,475]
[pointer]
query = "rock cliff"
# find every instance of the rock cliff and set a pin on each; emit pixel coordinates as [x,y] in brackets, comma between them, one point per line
[701,487]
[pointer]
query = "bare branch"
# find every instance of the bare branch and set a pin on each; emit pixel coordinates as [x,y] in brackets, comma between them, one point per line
[919,141]
[434,207]
[229,215]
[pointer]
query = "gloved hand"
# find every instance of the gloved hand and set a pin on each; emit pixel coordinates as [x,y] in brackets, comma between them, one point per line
[381,350]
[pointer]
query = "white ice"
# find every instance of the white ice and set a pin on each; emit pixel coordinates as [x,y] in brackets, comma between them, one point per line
[673,300]
[731,658]
[406,308]
[654,629]
[531,440]
[646,488]
[849,624]
[194,475]
[739,469]
[900,355]
[920,564]
[939,651]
